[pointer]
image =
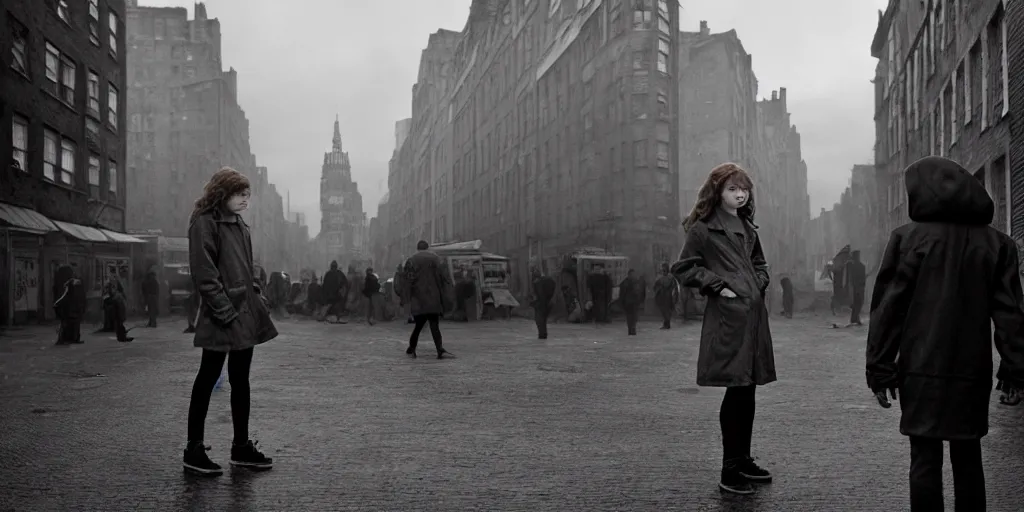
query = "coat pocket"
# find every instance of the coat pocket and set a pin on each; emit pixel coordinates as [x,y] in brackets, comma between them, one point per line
[733,321]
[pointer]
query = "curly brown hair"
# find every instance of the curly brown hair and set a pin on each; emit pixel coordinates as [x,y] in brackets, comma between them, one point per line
[224,184]
[710,194]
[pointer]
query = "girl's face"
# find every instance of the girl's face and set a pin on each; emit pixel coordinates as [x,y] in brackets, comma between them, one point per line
[734,196]
[238,202]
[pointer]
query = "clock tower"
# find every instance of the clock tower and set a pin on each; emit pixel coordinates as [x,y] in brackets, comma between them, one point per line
[342,222]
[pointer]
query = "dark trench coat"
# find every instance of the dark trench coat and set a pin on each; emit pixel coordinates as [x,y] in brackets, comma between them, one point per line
[735,340]
[233,314]
[944,279]
[427,288]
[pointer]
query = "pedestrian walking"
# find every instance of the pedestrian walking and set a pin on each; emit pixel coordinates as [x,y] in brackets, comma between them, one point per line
[371,288]
[427,289]
[787,297]
[543,301]
[151,296]
[666,292]
[856,278]
[945,278]
[631,297]
[722,257]
[233,318]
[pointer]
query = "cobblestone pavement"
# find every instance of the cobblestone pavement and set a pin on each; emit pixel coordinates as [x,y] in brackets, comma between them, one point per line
[588,420]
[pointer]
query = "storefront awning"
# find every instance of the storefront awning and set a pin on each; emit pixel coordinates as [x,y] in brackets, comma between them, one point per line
[23,219]
[121,237]
[84,233]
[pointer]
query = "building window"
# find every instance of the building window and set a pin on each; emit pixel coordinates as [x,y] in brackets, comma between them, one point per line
[94,171]
[643,14]
[112,30]
[62,11]
[94,95]
[954,93]
[663,55]
[92,130]
[663,155]
[50,142]
[19,46]
[112,177]
[52,69]
[67,81]
[640,153]
[112,106]
[94,22]
[19,142]
[67,161]
[984,78]
[1006,72]
[967,87]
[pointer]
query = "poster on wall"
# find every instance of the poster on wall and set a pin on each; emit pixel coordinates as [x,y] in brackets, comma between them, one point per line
[495,274]
[26,284]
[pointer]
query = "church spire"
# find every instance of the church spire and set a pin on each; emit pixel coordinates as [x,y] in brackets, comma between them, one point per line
[337,134]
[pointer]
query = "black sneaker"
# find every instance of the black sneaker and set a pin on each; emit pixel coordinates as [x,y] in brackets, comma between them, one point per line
[732,480]
[751,471]
[410,352]
[444,354]
[196,460]
[248,456]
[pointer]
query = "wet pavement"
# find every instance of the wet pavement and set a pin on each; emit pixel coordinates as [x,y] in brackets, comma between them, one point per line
[588,420]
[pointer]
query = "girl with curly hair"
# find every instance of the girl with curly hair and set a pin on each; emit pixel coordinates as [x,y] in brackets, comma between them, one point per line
[723,259]
[233,316]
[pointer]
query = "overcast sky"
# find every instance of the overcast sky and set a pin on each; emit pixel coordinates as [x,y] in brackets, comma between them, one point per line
[300,62]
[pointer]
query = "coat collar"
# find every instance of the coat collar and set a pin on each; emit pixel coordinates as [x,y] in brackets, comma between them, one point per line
[715,222]
[219,215]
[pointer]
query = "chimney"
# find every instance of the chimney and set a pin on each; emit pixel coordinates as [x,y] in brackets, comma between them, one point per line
[775,95]
[704,28]
[200,11]
[782,94]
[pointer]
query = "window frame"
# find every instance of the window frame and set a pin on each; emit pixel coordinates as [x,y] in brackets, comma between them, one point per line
[22,121]
[68,147]
[113,20]
[112,107]
[94,23]
[20,31]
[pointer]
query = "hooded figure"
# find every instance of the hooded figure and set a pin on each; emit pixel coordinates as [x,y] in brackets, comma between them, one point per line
[334,291]
[944,279]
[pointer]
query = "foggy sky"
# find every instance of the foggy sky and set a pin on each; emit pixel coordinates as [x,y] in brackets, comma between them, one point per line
[300,62]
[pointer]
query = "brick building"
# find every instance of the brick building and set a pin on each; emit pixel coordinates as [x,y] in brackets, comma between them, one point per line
[342,234]
[942,87]
[723,121]
[185,121]
[562,125]
[62,185]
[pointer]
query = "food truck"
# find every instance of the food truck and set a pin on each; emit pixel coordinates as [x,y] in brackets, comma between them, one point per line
[489,271]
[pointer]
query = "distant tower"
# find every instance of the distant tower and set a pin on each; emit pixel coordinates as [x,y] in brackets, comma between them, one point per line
[341,206]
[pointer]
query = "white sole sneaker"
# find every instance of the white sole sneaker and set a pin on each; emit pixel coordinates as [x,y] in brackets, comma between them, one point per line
[202,471]
[251,465]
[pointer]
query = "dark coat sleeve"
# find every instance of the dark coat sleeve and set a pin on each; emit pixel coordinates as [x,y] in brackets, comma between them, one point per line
[760,265]
[890,300]
[202,259]
[1008,317]
[691,269]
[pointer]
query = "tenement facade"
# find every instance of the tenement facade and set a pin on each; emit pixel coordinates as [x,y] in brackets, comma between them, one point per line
[185,121]
[723,121]
[62,174]
[942,87]
[853,221]
[563,118]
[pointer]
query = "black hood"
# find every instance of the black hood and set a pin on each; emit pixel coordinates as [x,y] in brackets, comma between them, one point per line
[939,190]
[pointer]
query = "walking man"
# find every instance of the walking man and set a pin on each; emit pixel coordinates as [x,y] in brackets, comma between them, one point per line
[151,295]
[666,291]
[631,296]
[427,289]
[543,299]
[945,279]
[371,287]
[856,277]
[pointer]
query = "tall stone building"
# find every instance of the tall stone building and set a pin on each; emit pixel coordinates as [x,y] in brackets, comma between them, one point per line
[342,234]
[62,139]
[942,87]
[562,127]
[723,121]
[852,221]
[398,228]
[184,118]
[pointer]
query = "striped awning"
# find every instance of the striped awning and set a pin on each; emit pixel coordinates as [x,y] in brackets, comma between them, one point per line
[23,219]
[83,233]
[122,237]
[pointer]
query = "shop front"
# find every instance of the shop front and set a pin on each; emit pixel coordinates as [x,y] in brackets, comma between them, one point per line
[24,232]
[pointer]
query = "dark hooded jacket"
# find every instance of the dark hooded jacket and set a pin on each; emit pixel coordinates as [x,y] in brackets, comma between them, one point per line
[943,279]
[335,285]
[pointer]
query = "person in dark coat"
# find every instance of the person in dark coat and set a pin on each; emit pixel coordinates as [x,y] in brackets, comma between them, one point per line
[722,257]
[465,297]
[113,294]
[600,292]
[151,296]
[787,297]
[334,290]
[427,288]
[371,288]
[403,302]
[234,316]
[945,278]
[856,280]
[69,306]
[543,301]
[666,292]
[631,297]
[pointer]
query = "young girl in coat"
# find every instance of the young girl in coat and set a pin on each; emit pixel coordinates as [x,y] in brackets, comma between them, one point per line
[233,316]
[723,259]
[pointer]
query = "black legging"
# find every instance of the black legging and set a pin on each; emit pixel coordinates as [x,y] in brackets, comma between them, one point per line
[238,375]
[435,330]
[737,418]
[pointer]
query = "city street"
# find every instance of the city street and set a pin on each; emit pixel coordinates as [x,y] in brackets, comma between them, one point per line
[588,420]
